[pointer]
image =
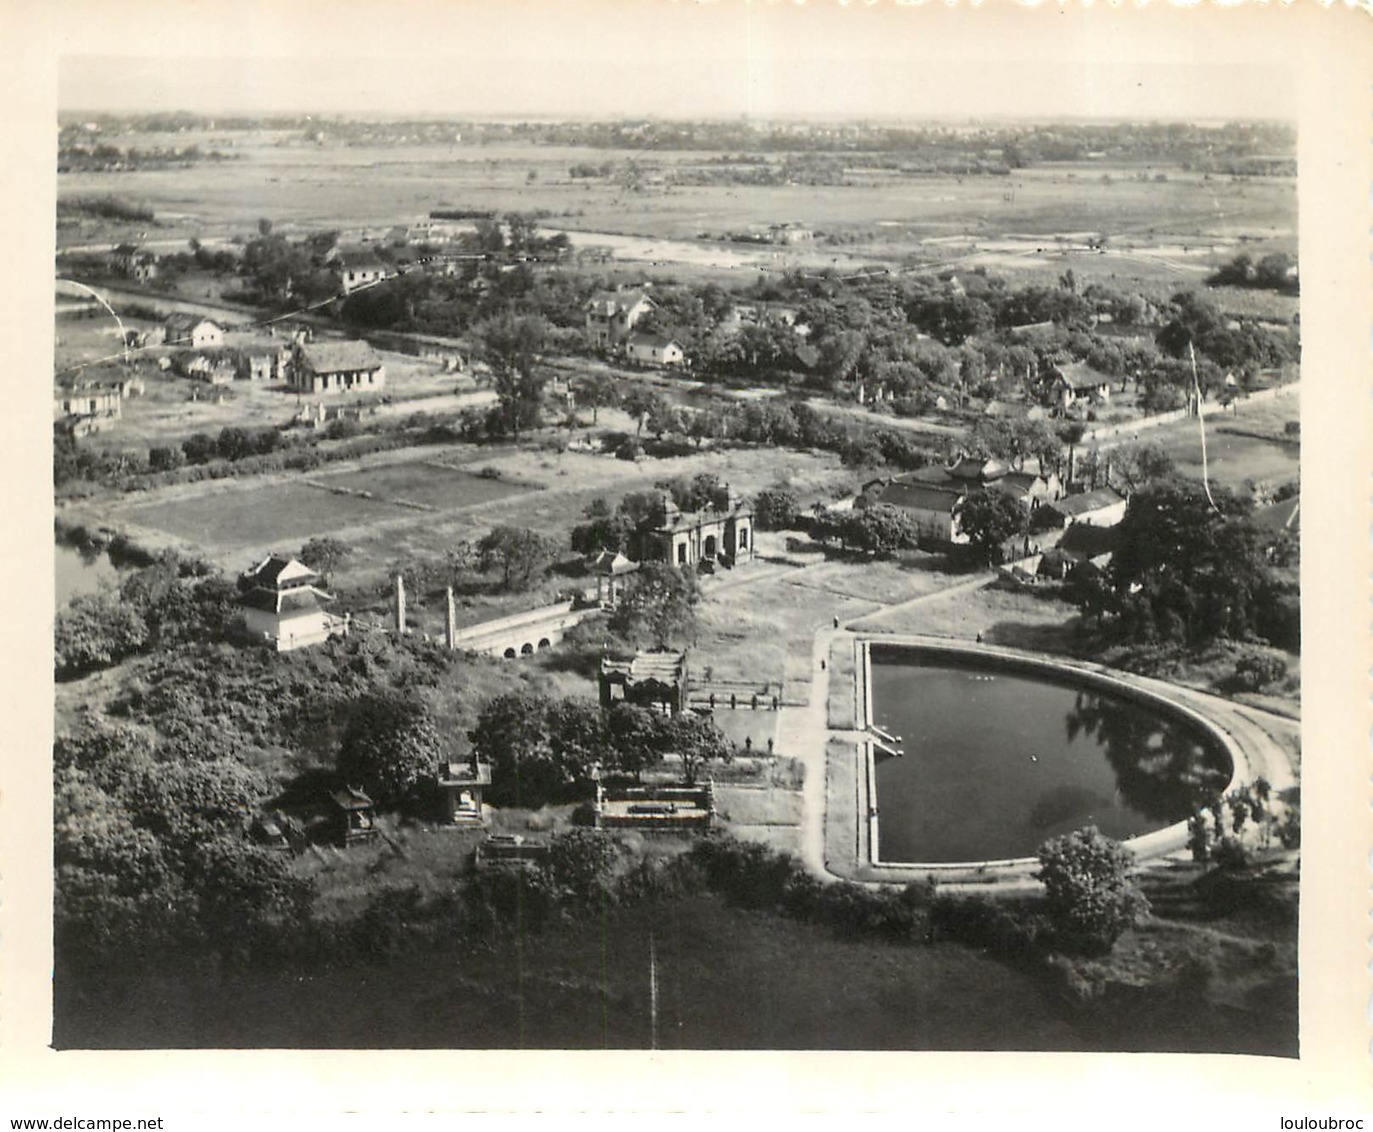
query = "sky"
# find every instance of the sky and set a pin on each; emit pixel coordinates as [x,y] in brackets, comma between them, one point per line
[676,58]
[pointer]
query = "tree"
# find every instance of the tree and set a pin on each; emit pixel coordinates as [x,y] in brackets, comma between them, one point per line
[162,458]
[515,734]
[776,508]
[324,554]
[390,744]
[96,631]
[580,862]
[517,552]
[696,494]
[661,602]
[634,737]
[183,802]
[1090,896]
[1194,318]
[597,391]
[1204,566]
[603,529]
[881,530]
[640,402]
[989,519]
[512,346]
[1135,466]
[199,448]
[697,740]
[577,732]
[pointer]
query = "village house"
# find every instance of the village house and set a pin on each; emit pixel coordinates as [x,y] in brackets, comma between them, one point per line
[932,502]
[1077,381]
[654,350]
[722,533]
[758,314]
[933,496]
[1080,546]
[611,315]
[358,269]
[336,367]
[1099,508]
[283,605]
[134,264]
[656,679]
[217,366]
[264,363]
[88,408]
[193,330]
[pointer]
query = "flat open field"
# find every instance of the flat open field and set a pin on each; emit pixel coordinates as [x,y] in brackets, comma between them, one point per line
[1182,225]
[286,511]
[272,514]
[223,519]
[427,483]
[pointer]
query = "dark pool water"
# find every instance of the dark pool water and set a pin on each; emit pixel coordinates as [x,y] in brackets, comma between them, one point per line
[996,763]
[80,572]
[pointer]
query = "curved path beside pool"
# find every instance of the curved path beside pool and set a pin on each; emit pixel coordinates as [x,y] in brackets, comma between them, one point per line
[834,840]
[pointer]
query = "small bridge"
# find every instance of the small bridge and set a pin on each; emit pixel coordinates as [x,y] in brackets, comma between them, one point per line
[523,634]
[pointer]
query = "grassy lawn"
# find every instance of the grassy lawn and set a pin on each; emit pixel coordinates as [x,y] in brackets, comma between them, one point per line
[229,519]
[1017,618]
[883,582]
[424,482]
[764,631]
[280,515]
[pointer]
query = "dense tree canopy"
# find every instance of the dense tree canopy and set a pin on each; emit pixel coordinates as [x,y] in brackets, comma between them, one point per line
[518,553]
[661,603]
[1186,570]
[390,745]
[990,519]
[513,347]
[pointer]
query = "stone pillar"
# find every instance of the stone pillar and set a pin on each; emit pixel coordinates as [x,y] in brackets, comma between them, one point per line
[400,606]
[451,622]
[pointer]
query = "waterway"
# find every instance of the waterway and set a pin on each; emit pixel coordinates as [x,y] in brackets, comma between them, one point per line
[997,763]
[82,572]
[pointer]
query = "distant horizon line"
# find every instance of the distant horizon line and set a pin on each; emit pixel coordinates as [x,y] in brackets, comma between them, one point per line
[708,118]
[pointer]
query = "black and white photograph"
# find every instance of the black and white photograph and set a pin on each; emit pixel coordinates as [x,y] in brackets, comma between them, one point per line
[670,527]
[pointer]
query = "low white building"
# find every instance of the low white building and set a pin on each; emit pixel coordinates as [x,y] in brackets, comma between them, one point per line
[654,350]
[336,367]
[1100,508]
[194,331]
[283,605]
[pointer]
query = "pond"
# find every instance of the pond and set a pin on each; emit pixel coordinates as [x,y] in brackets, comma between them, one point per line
[997,762]
[82,572]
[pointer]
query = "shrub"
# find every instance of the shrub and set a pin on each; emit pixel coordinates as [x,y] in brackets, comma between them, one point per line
[1257,670]
[342,428]
[580,862]
[1089,893]
[1002,929]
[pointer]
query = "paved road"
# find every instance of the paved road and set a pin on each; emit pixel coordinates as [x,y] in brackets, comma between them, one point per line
[803,733]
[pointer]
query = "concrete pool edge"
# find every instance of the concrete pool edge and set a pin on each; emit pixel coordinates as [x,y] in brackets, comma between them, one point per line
[1148,846]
